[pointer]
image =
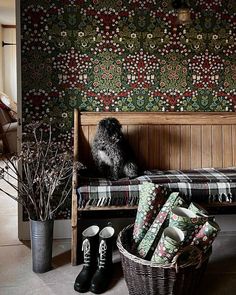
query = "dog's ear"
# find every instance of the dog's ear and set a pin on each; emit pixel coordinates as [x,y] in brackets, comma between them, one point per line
[104,123]
[115,123]
[107,123]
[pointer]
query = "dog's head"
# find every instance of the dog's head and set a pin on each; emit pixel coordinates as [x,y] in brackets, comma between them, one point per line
[111,127]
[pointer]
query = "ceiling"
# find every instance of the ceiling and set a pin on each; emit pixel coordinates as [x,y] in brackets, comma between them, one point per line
[7,12]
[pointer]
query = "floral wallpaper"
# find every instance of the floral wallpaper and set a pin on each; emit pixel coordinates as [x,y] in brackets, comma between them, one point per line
[125,55]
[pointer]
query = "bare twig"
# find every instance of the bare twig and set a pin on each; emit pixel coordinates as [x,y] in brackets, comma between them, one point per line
[44,169]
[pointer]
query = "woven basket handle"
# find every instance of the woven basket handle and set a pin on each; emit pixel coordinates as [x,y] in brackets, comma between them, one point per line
[195,257]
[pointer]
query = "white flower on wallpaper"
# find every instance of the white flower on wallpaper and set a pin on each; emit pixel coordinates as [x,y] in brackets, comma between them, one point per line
[72,68]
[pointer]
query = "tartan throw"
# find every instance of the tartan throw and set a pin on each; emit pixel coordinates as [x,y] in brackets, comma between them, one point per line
[206,185]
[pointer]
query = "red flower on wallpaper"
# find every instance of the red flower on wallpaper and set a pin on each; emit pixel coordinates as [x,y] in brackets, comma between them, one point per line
[72,2]
[72,68]
[142,69]
[207,70]
[215,5]
[35,29]
[36,104]
[37,98]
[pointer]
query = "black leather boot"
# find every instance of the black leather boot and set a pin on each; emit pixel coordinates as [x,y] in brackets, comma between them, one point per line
[90,249]
[102,276]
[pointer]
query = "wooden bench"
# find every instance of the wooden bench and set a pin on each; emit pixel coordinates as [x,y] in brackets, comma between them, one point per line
[159,140]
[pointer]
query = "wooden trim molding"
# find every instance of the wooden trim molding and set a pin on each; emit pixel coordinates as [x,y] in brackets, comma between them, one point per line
[153,118]
[74,217]
[9,26]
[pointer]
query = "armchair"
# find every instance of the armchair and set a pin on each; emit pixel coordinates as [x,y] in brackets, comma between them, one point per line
[8,125]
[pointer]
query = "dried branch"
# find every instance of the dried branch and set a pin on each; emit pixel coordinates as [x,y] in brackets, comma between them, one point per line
[45,168]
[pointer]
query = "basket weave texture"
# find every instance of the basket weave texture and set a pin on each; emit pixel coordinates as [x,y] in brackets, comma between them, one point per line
[147,278]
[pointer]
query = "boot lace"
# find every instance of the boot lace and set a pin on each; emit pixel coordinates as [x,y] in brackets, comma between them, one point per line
[102,254]
[86,250]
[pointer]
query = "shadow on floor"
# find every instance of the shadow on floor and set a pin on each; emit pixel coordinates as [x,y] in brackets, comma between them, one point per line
[61,259]
[26,243]
[117,275]
[220,277]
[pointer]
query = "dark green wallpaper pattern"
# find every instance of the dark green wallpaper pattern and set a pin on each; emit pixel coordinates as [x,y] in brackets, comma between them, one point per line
[125,55]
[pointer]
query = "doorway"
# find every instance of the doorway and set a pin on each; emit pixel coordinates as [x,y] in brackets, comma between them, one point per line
[8,77]
[8,115]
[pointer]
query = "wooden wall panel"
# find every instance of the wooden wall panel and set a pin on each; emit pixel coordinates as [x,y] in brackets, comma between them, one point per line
[125,130]
[175,147]
[227,145]
[206,146]
[234,144]
[154,146]
[144,146]
[185,152]
[217,146]
[133,139]
[164,147]
[196,146]
[84,145]
[92,131]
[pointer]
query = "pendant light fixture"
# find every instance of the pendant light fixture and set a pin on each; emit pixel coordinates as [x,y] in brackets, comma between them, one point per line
[183,11]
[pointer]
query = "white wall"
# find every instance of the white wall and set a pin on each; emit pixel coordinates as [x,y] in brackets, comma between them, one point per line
[1,65]
[9,63]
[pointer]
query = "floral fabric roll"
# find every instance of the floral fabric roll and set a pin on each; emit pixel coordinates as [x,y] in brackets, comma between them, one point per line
[194,207]
[200,211]
[148,244]
[206,235]
[186,220]
[169,244]
[152,198]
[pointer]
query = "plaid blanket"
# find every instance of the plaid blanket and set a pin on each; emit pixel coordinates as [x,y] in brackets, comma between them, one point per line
[200,185]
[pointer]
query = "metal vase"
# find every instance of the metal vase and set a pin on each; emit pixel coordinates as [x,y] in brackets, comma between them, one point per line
[41,245]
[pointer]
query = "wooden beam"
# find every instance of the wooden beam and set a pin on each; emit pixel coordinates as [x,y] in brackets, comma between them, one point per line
[8,26]
[74,209]
[154,118]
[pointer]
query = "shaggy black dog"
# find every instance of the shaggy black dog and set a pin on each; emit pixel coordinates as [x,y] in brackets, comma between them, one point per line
[111,153]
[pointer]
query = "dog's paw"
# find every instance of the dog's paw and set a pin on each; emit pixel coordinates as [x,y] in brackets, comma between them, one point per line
[131,170]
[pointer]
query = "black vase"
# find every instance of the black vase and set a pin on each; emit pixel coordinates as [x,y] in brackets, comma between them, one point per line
[41,245]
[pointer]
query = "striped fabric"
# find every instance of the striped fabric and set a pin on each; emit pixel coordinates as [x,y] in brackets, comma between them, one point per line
[200,185]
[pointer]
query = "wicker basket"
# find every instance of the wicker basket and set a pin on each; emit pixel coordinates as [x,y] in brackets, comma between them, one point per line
[147,278]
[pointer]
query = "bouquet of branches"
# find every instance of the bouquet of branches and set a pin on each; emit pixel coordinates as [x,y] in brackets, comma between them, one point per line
[44,182]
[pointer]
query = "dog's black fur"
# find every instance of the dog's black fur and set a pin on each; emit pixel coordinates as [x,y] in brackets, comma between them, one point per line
[111,153]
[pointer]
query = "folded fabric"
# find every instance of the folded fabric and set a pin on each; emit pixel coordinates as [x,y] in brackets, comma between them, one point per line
[202,186]
[199,175]
[206,235]
[202,175]
[209,192]
[186,220]
[148,244]
[152,198]
[169,244]
[117,195]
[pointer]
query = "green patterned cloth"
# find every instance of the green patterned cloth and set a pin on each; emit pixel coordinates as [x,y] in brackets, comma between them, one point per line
[205,237]
[169,244]
[152,198]
[194,207]
[148,244]
[187,221]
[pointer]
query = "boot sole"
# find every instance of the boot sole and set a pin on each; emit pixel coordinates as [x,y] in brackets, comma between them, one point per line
[80,290]
[97,291]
